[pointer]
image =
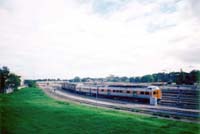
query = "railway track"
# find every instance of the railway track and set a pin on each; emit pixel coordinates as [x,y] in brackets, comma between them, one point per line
[161,111]
[182,98]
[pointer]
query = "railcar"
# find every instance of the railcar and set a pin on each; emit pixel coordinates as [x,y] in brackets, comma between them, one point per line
[134,92]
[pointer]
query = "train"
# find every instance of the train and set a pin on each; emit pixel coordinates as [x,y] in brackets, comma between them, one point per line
[136,92]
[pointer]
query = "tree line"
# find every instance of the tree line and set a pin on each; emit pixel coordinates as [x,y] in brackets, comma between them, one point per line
[172,77]
[8,79]
[179,78]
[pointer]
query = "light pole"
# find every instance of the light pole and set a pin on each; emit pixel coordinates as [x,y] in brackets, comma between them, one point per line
[97,93]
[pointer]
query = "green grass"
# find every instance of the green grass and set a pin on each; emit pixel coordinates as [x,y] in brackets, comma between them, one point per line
[30,111]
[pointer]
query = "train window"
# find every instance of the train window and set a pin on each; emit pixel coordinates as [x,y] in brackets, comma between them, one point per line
[102,90]
[128,92]
[147,93]
[120,91]
[134,92]
[141,92]
[113,90]
[154,92]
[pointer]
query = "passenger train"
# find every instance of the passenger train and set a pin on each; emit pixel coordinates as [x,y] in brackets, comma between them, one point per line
[130,92]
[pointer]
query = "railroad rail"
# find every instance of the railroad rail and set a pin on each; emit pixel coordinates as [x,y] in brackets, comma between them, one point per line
[180,97]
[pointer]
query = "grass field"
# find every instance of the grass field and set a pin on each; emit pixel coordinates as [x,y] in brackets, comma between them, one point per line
[30,111]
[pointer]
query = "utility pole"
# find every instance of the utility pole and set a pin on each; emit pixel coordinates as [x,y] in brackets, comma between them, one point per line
[97,93]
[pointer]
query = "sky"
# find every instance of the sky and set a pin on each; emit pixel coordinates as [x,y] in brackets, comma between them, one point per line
[96,38]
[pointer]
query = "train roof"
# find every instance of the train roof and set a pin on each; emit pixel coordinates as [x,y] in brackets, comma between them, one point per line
[128,86]
[147,88]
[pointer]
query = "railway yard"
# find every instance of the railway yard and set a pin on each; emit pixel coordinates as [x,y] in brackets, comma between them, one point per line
[179,103]
[188,98]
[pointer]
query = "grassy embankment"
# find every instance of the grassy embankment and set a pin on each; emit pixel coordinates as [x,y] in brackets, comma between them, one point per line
[30,111]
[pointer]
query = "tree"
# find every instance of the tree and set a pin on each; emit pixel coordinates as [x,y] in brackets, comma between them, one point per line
[30,83]
[4,73]
[85,79]
[13,81]
[147,78]
[115,79]
[137,79]
[8,80]
[131,79]
[110,78]
[172,77]
[124,79]
[195,76]
[77,79]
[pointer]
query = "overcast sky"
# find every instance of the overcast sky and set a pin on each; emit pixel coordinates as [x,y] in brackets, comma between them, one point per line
[96,38]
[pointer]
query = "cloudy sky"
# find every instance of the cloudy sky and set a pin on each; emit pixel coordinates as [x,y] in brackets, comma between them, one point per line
[67,38]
